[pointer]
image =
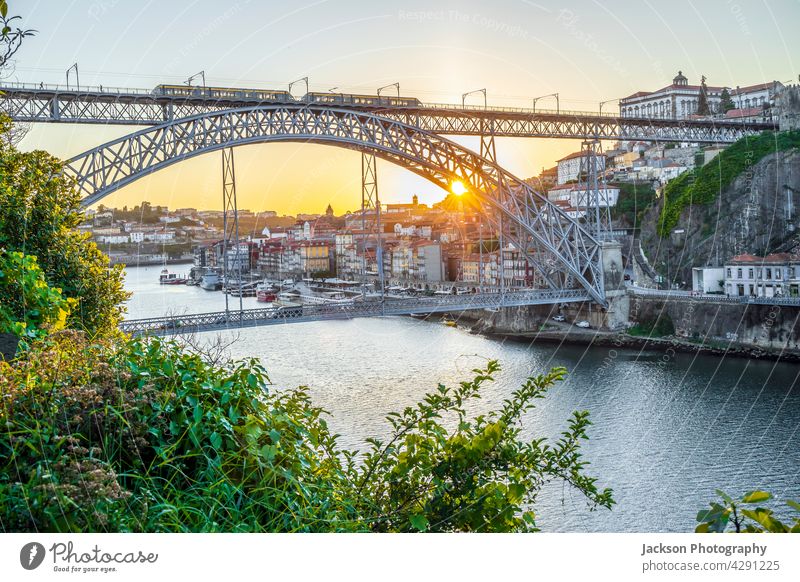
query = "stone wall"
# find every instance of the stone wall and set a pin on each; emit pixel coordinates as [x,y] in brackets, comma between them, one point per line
[770,327]
[788,103]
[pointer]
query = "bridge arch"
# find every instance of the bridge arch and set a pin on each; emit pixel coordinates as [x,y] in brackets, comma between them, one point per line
[563,252]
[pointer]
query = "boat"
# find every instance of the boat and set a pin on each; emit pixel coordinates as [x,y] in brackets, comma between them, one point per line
[266,293]
[448,322]
[244,290]
[265,296]
[289,295]
[167,278]
[211,281]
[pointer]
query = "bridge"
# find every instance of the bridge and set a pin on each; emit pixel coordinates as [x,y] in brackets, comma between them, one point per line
[235,319]
[563,251]
[566,254]
[98,105]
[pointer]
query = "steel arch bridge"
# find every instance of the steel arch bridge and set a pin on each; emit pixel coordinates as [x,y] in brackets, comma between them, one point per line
[563,252]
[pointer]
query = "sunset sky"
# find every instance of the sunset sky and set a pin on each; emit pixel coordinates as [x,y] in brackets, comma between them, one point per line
[516,49]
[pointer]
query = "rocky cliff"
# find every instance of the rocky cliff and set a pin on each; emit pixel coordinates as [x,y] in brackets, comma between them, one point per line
[757,213]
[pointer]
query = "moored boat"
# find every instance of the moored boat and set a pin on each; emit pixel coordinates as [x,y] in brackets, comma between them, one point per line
[211,281]
[167,278]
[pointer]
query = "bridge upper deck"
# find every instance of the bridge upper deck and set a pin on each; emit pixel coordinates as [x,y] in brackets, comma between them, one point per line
[103,105]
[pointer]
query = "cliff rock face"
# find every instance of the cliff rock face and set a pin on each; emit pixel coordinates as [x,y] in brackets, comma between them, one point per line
[758,214]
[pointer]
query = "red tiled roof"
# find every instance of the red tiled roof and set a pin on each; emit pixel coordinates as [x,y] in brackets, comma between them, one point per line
[673,86]
[773,259]
[750,88]
[571,156]
[743,112]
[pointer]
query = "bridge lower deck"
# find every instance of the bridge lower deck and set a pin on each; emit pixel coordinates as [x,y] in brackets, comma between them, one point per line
[274,315]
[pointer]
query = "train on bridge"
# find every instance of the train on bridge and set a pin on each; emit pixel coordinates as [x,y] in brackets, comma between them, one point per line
[280,96]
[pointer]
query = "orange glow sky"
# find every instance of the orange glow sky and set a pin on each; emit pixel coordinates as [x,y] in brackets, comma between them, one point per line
[517,49]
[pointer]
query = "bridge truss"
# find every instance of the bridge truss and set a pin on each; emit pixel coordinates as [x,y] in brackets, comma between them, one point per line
[221,320]
[140,107]
[563,253]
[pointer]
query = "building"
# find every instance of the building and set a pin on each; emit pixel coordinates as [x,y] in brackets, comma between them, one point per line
[571,167]
[761,96]
[680,99]
[771,276]
[577,195]
[112,239]
[677,100]
[428,264]
[517,270]
[708,279]
[314,257]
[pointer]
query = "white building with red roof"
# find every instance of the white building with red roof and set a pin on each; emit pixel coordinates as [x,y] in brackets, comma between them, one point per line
[776,275]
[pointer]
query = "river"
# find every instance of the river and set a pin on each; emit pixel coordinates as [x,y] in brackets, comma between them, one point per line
[667,430]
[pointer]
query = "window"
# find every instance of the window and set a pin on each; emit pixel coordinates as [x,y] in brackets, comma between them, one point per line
[777,273]
[769,273]
[729,272]
[738,273]
[749,273]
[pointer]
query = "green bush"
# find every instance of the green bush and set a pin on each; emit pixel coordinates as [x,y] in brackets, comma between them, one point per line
[143,436]
[29,308]
[634,200]
[661,326]
[39,214]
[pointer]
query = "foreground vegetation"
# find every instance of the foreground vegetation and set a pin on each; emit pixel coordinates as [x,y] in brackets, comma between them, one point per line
[145,436]
[703,184]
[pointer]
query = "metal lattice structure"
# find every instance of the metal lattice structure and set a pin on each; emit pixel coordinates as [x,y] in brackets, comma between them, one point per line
[30,103]
[597,210]
[230,228]
[558,247]
[197,322]
[370,201]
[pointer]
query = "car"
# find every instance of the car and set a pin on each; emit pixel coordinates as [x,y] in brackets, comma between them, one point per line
[559,318]
[583,324]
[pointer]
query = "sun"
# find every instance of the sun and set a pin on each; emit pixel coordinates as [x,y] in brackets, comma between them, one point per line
[458,188]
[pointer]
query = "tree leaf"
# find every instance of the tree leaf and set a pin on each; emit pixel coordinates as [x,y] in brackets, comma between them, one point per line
[756,497]
[419,522]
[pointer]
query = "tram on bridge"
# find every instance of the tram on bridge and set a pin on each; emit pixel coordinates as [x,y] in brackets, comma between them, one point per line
[280,96]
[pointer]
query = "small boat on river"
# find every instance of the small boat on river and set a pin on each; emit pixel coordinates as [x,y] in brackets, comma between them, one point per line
[167,278]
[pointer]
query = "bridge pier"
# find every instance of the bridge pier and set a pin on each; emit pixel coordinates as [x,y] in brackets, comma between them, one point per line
[616,314]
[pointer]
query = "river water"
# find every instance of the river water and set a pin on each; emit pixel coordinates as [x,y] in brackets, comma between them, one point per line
[668,430]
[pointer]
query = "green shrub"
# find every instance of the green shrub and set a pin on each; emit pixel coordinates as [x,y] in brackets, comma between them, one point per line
[39,214]
[660,326]
[634,200]
[29,308]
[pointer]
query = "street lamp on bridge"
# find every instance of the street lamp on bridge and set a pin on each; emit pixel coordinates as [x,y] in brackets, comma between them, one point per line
[535,99]
[303,79]
[201,74]
[604,102]
[77,78]
[395,85]
[464,97]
